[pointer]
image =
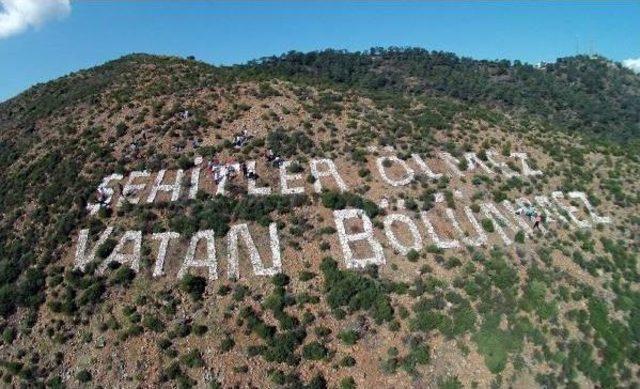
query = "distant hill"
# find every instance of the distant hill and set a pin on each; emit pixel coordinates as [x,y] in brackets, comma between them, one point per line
[378,235]
[582,94]
[587,95]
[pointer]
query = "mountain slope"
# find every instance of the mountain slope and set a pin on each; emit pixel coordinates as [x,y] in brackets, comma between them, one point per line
[506,306]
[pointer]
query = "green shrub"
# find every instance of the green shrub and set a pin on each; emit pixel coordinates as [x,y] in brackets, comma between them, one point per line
[349,337]
[496,344]
[322,331]
[306,275]
[463,165]
[227,344]
[106,248]
[451,382]
[184,162]
[240,292]
[347,361]
[193,285]
[418,355]
[449,199]
[487,225]
[224,290]
[280,279]
[434,249]
[314,351]
[341,200]
[164,343]
[83,376]
[124,275]
[317,382]
[93,293]
[289,144]
[281,347]
[121,129]
[295,168]
[278,377]
[218,212]
[428,316]
[193,358]
[413,255]
[453,262]
[348,383]
[153,323]
[355,291]
[200,329]
[55,383]
[8,335]
[499,196]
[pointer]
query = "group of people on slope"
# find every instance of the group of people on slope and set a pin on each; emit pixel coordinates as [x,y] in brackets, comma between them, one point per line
[241,139]
[273,159]
[218,169]
[529,211]
[228,170]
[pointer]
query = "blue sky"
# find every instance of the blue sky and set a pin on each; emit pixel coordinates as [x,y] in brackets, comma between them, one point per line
[83,34]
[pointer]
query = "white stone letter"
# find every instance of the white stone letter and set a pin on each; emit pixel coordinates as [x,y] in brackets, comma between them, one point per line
[242,231]
[164,238]
[406,178]
[378,255]
[285,177]
[330,171]
[195,178]
[544,203]
[209,262]
[158,186]
[479,240]
[452,162]
[131,192]
[82,258]
[132,259]
[425,169]
[225,173]
[520,218]
[252,189]
[473,161]
[393,240]
[526,169]
[502,165]
[95,207]
[491,212]
[569,209]
[595,217]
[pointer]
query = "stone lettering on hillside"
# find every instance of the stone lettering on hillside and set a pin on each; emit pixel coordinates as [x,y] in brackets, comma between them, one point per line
[399,231]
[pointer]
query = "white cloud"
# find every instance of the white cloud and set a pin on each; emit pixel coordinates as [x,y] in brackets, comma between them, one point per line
[18,15]
[632,63]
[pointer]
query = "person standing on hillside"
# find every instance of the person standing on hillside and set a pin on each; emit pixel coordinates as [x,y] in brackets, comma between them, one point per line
[243,168]
[536,221]
[103,196]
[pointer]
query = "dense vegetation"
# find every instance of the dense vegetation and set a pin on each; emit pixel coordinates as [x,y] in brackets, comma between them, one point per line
[580,94]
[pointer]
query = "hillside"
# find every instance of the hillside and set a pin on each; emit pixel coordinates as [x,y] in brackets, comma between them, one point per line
[378,246]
